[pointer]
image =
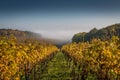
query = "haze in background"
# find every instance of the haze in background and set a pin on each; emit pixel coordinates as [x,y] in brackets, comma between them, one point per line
[59,19]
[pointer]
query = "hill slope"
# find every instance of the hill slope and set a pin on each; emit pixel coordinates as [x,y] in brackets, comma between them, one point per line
[23,35]
[103,34]
[20,35]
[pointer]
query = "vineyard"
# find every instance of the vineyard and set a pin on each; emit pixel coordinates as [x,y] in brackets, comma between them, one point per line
[38,60]
[94,60]
[23,60]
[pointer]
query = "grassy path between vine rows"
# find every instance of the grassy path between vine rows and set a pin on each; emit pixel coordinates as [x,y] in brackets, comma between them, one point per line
[57,69]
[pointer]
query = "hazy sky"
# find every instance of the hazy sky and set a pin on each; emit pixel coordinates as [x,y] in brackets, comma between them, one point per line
[59,19]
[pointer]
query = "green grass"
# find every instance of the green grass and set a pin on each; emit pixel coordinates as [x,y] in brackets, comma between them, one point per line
[57,69]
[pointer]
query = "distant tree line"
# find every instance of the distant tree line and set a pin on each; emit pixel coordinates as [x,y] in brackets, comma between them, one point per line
[21,35]
[103,34]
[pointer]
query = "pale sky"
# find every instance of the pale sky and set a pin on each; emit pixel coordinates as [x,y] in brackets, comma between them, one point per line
[59,19]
